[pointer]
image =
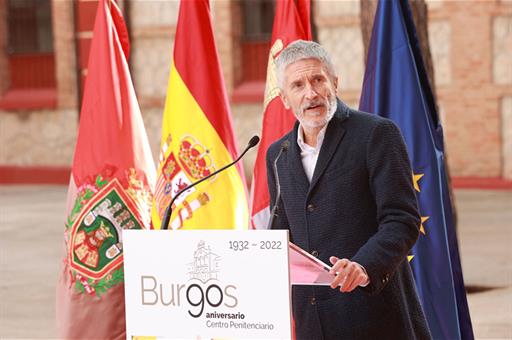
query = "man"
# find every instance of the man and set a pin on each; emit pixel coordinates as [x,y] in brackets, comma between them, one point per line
[346,197]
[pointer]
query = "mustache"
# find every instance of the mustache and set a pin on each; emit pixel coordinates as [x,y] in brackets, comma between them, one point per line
[314,103]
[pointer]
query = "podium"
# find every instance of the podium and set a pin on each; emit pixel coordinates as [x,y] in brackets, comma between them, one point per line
[205,284]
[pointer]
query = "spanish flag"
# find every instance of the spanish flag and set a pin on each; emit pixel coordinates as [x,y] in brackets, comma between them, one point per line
[197,134]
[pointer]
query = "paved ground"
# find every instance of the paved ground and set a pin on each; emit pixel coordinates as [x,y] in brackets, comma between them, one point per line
[32,221]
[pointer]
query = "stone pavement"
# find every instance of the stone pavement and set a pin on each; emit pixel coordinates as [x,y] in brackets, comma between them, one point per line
[32,222]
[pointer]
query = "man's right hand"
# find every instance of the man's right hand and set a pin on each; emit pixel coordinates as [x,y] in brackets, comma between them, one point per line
[349,275]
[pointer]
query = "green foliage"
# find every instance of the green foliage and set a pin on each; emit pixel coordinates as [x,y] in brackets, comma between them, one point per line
[79,286]
[99,182]
[81,199]
[102,285]
[109,281]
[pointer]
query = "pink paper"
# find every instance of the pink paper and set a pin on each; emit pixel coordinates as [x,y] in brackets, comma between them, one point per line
[305,269]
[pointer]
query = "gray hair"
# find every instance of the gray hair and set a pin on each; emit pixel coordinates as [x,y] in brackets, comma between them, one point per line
[298,50]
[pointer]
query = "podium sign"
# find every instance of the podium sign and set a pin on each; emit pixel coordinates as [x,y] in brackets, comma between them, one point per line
[207,284]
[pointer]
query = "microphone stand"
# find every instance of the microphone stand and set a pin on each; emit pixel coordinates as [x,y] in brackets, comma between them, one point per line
[284,147]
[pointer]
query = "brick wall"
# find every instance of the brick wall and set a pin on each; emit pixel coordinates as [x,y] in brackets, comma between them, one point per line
[471,49]
[472,56]
[473,76]
[471,45]
[65,54]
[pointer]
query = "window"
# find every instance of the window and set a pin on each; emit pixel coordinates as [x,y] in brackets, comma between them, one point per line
[256,33]
[31,80]
[258,20]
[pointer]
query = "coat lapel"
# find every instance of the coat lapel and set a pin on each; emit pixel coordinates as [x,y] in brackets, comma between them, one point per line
[333,136]
[295,167]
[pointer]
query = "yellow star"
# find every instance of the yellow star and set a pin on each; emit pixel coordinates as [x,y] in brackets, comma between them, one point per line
[415,179]
[409,257]
[423,220]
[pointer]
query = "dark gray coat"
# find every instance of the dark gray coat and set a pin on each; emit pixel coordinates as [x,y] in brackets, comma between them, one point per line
[360,205]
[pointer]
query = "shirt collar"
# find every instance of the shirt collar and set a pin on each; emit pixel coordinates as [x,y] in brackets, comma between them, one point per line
[319,139]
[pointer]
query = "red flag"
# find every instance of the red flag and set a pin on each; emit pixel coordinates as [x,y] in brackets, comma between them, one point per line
[109,188]
[291,23]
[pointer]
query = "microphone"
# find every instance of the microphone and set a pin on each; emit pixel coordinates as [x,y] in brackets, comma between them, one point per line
[284,147]
[165,224]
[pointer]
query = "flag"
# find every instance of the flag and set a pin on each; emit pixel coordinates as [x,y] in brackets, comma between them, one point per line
[291,22]
[197,134]
[110,188]
[396,87]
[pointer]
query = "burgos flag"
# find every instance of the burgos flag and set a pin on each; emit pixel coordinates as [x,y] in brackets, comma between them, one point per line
[110,188]
[291,22]
[197,134]
[396,86]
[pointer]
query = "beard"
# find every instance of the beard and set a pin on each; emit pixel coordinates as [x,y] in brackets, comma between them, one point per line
[331,106]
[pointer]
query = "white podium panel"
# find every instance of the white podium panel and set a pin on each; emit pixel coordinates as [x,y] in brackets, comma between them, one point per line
[205,284]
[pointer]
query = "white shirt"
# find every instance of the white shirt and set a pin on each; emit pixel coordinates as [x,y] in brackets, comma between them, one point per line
[309,154]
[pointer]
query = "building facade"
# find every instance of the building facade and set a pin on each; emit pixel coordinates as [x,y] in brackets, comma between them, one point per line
[41,78]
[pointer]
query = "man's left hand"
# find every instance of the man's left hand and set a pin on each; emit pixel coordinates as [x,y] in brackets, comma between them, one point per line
[349,275]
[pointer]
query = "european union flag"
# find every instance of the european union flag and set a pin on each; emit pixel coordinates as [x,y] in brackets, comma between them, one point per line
[396,87]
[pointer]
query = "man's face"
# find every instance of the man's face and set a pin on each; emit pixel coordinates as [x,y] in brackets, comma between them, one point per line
[310,92]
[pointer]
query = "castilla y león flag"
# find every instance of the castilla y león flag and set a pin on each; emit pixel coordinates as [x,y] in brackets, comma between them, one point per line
[197,134]
[291,23]
[110,188]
